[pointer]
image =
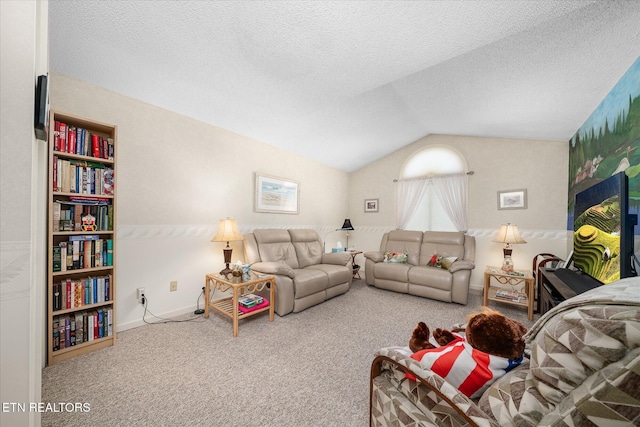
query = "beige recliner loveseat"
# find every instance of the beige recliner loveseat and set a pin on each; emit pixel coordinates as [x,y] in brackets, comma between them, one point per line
[305,274]
[413,275]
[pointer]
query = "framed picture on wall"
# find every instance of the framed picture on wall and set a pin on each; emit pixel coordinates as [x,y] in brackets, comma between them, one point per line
[276,195]
[371,205]
[512,199]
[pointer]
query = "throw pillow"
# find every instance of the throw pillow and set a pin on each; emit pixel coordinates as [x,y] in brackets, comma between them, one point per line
[441,261]
[447,261]
[397,257]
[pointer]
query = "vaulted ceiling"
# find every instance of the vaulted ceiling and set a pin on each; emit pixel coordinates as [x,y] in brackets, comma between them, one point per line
[347,82]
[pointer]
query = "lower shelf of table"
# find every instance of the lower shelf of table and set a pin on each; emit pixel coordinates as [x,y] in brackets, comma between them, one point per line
[225,306]
[492,297]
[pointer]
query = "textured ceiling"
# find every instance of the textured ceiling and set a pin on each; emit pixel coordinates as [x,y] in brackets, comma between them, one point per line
[345,83]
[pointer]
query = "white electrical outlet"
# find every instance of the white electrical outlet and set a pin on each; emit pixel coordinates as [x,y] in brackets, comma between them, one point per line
[173,286]
[140,294]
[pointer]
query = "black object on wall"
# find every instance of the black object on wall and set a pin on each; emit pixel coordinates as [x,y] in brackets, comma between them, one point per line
[41,113]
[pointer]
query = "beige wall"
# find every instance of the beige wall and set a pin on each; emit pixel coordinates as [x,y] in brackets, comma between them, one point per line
[176,178]
[22,210]
[498,164]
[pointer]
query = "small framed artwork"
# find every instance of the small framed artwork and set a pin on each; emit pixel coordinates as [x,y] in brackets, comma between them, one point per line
[512,199]
[276,195]
[371,205]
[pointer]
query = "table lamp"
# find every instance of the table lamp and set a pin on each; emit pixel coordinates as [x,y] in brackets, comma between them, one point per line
[227,231]
[508,234]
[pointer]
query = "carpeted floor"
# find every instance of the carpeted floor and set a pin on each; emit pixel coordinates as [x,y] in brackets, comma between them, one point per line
[304,369]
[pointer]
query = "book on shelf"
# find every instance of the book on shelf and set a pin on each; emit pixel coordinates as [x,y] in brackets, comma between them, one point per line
[81,252]
[82,177]
[245,310]
[76,140]
[73,293]
[81,216]
[72,329]
[511,296]
[250,300]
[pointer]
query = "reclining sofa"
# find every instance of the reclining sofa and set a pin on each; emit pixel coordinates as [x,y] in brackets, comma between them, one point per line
[443,281]
[305,274]
[583,369]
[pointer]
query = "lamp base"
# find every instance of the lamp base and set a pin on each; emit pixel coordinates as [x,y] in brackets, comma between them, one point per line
[227,260]
[226,271]
[507,263]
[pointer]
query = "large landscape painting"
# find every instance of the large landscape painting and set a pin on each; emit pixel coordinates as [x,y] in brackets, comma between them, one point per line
[609,142]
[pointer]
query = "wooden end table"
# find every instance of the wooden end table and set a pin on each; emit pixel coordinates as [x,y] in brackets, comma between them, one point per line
[229,305]
[356,269]
[504,278]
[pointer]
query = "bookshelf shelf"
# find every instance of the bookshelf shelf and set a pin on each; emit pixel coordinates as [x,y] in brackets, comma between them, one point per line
[85,158]
[84,307]
[69,194]
[81,286]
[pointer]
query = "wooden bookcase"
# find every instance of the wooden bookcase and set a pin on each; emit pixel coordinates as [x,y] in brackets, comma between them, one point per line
[81,286]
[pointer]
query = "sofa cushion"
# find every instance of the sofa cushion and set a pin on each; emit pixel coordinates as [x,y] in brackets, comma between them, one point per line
[308,247]
[336,274]
[392,271]
[433,277]
[275,245]
[442,261]
[309,281]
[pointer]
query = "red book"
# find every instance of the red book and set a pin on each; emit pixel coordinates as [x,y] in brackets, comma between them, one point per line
[71,140]
[62,134]
[95,144]
[68,301]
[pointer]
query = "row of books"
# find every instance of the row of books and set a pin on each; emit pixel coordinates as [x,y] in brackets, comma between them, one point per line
[80,292]
[250,300]
[76,140]
[80,252]
[511,296]
[72,329]
[81,177]
[79,216]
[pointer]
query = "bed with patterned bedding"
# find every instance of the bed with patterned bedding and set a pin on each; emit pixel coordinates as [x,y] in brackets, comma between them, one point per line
[584,368]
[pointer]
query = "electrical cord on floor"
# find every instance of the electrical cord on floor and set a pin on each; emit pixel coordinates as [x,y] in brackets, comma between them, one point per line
[198,309]
[145,303]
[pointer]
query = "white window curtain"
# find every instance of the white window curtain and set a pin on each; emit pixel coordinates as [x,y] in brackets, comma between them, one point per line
[410,192]
[452,193]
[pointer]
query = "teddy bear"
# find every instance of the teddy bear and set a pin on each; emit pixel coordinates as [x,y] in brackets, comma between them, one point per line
[471,358]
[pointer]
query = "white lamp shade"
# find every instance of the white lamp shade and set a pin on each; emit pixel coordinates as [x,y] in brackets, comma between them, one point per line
[509,234]
[227,231]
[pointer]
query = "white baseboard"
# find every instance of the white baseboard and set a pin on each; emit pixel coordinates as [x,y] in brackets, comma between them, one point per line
[152,319]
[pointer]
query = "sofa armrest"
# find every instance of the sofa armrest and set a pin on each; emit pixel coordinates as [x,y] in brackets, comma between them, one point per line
[279,268]
[375,256]
[337,258]
[444,400]
[462,264]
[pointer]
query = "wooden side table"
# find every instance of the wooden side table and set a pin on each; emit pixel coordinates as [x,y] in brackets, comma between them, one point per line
[512,280]
[229,305]
[356,267]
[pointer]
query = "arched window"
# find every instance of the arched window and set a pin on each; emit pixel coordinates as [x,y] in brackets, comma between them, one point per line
[429,213]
